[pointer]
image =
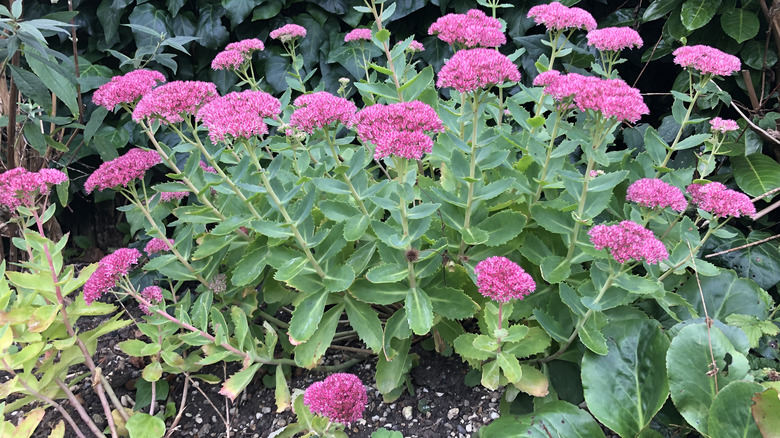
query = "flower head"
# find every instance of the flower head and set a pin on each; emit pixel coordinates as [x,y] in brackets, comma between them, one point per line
[557,17]
[628,241]
[171,102]
[398,129]
[288,32]
[610,97]
[415,46]
[127,88]
[501,279]
[472,69]
[152,294]
[715,198]
[238,114]
[614,39]
[707,60]
[246,46]
[358,35]
[472,29]
[156,245]
[19,186]
[341,397]
[723,125]
[206,168]
[173,196]
[320,109]
[654,193]
[228,60]
[122,170]
[110,268]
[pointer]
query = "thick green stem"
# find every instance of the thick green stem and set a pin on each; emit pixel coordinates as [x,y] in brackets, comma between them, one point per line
[472,173]
[402,162]
[707,235]
[550,147]
[344,176]
[687,117]
[386,47]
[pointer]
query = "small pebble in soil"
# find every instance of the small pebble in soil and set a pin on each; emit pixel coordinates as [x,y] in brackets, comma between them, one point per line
[452,413]
[407,412]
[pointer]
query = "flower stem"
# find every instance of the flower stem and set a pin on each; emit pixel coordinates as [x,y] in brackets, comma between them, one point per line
[472,173]
[343,175]
[550,147]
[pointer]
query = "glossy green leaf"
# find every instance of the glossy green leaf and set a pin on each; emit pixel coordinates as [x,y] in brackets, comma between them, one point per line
[554,221]
[761,262]
[510,366]
[636,370]
[731,414]
[419,310]
[238,10]
[307,315]
[387,273]
[756,173]
[451,303]
[740,24]
[688,365]
[238,381]
[591,334]
[308,354]
[364,319]
[552,419]
[212,33]
[658,9]
[141,425]
[766,412]
[498,233]
[555,269]
[724,295]
[697,13]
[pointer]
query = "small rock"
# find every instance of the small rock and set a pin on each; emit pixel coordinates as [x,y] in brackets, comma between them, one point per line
[407,412]
[469,428]
[266,410]
[465,403]
[97,418]
[198,420]
[494,415]
[452,413]
[204,430]
[258,415]
[461,429]
[439,394]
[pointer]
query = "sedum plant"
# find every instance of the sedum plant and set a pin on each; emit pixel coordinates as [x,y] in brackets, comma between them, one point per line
[416,203]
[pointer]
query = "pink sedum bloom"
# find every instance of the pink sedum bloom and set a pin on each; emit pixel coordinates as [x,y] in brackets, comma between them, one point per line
[157,245]
[122,170]
[614,39]
[321,109]
[358,35]
[473,69]
[238,115]
[415,46]
[341,397]
[173,196]
[110,268]
[19,186]
[398,129]
[246,46]
[628,241]
[127,88]
[557,17]
[610,97]
[502,280]
[228,60]
[288,32]
[654,193]
[707,60]
[152,294]
[472,29]
[715,198]
[723,125]
[171,102]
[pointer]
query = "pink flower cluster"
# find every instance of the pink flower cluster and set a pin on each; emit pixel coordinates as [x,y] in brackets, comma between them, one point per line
[126,88]
[206,168]
[557,17]
[610,97]
[473,69]
[288,32]
[723,125]
[501,279]
[173,196]
[472,29]
[398,129]
[320,109]
[152,294]
[238,115]
[171,102]
[19,186]
[654,193]
[415,46]
[236,54]
[715,198]
[157,245]
[628,241]
[358,35]
[120,171]
[110,268]
[707,60]
[614,39]
[341,397]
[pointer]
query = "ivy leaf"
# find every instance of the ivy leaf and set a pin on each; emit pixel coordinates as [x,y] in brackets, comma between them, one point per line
[210,30]
[753,327]
[144,425]
[238,10]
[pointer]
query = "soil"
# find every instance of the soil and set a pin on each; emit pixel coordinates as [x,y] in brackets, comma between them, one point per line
[441,405]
